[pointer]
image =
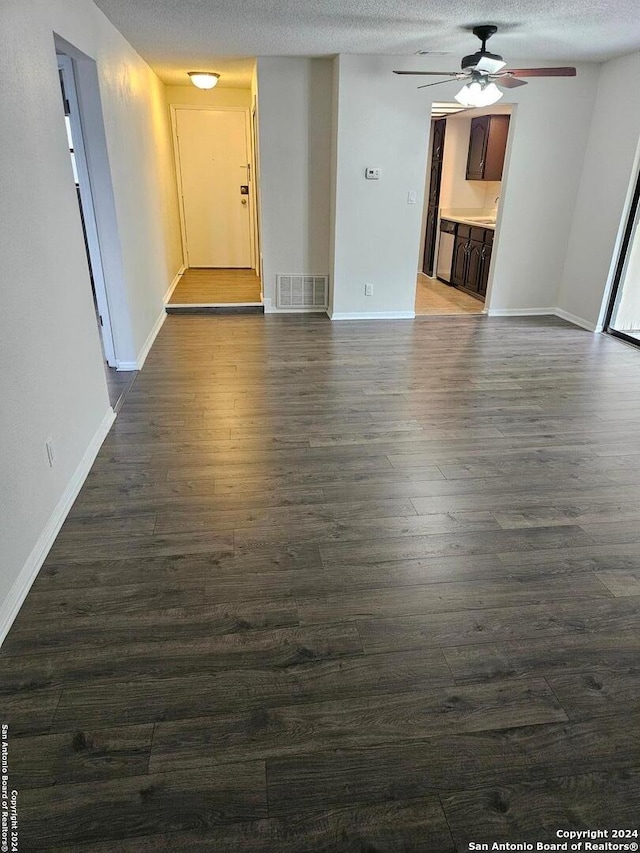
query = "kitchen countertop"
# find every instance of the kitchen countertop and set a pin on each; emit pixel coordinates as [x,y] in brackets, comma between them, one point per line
[476,222]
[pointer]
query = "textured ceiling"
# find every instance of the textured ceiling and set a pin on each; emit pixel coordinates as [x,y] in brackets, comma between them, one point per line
[174,36]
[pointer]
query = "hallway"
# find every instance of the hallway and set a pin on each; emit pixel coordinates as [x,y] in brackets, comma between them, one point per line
[217,287]
[349,586]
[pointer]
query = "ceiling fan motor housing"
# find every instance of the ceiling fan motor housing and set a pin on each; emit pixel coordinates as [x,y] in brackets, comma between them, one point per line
[471,61]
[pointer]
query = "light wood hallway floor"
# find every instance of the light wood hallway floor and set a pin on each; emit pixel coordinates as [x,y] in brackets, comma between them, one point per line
[199,286]
[368,586]
[435,297]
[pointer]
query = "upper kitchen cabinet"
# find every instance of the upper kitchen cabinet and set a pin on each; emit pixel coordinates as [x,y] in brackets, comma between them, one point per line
[487,147]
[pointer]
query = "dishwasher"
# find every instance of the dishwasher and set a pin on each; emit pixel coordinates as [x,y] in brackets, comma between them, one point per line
[445,250]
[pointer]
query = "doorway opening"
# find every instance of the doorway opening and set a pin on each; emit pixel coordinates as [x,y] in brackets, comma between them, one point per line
[118,382]
[215,155]
[464,186]
[623,312]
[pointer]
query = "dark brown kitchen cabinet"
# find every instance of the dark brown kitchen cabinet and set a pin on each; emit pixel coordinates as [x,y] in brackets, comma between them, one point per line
[459,260]
[487,147]
[485,263]
[471,260]
[474,261]
[433,199]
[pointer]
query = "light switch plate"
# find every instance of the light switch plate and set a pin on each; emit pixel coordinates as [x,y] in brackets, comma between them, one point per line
[412,197]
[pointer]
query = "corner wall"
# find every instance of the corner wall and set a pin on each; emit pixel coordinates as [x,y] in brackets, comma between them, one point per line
[380,123]
[52,381]
[294,119]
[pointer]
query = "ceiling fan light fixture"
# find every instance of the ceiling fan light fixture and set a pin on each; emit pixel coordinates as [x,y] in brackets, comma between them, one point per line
[204,79]
[476,94]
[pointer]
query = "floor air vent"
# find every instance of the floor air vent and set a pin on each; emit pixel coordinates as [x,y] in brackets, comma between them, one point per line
[302,291]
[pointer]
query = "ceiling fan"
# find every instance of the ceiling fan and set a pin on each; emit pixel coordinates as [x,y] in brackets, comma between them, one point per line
[483,69]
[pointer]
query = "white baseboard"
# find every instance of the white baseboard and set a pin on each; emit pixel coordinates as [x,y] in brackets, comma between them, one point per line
[544,312]
[144,352]
[373,315]
[174,284]
[577,321]
[521,312]
[18,592]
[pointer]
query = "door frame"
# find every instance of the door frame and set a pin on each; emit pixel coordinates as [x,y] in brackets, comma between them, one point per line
[250,177]
[255,178]
[67,69]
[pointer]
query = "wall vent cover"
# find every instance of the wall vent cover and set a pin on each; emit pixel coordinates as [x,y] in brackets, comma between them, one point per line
[302,292]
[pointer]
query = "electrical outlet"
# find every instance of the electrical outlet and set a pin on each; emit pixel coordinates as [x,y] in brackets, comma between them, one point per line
[368,290]
[372,173]
[51,456]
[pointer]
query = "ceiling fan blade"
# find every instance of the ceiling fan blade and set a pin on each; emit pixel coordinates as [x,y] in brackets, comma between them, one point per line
[509,82]
[541,72]
[429,73]
[437,83]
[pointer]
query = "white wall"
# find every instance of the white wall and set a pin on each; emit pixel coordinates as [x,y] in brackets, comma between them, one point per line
[216,97]
[604,188]
[386,124]
[52,380]
[295,112]
[335,100]
[382,121]
[142,172]
[549,130]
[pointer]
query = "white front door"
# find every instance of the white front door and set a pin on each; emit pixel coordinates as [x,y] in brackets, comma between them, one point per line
[212,146]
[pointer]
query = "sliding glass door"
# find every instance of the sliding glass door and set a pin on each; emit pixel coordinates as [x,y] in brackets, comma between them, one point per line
[623,316]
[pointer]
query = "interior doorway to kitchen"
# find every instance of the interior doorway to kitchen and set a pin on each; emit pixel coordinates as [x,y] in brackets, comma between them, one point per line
[464,186]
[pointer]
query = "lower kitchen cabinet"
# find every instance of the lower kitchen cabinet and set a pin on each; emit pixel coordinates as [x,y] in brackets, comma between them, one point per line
[459,260]
[471,259]
[485,263]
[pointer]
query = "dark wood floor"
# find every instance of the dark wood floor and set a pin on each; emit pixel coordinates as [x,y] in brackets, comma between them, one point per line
[342,587]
